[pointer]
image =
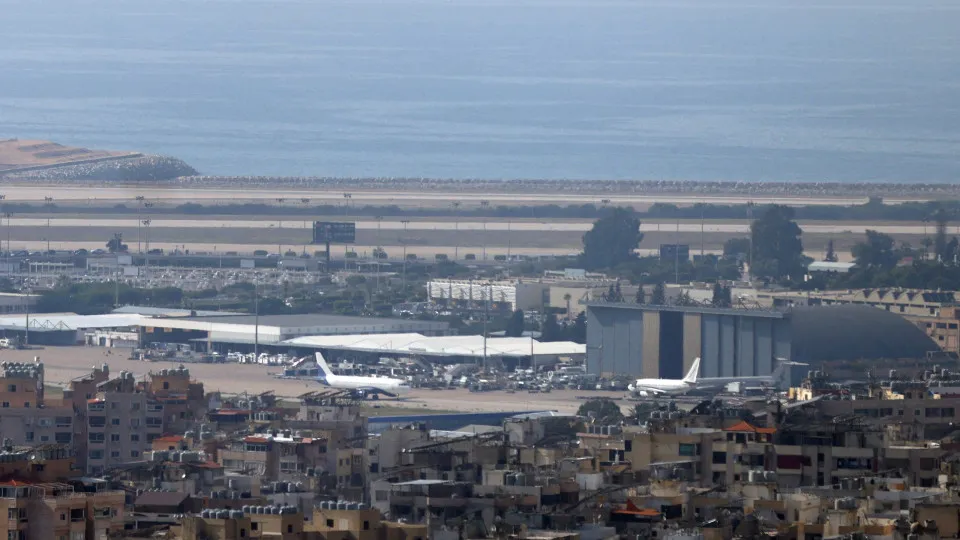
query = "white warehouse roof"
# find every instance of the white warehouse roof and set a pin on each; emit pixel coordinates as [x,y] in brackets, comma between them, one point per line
[72,321]
[418,344]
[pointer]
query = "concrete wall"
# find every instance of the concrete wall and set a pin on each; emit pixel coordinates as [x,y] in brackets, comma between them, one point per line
[626,338]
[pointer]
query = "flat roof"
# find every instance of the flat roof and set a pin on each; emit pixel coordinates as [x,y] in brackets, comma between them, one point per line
[420,345]
[307,320]
[71,321]
[773,313]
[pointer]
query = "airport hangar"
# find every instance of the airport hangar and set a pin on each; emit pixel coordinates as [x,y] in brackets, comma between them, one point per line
[662,341]
[206,332]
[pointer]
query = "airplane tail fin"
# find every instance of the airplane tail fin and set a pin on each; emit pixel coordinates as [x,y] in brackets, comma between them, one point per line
[694,372]
[323,365]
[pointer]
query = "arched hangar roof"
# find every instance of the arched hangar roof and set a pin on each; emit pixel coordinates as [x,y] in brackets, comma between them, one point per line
[854,332]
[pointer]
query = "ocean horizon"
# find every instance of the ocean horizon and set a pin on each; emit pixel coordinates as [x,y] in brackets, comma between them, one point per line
[702,90]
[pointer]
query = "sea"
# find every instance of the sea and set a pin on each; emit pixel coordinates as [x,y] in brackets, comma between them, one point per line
[751,90]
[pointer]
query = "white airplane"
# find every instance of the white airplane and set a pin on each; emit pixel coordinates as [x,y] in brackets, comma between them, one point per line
[362,385]
[765,380]
[670,387]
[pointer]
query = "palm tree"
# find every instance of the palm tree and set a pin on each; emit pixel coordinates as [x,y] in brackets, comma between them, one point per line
[566,298]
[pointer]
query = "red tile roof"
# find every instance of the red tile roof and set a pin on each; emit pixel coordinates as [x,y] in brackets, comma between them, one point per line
[746,427]
[169,438]
[256,439]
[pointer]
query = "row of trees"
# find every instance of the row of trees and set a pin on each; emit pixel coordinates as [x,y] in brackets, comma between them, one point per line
[775,249]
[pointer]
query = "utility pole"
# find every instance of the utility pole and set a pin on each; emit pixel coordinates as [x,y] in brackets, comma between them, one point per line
[676,251]
[256,318]
[280,226]
[404,242]
[139,199]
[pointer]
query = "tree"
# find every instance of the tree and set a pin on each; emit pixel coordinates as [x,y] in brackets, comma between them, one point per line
[577,332]
[659,295]
[777,247]
[722,296]
[876,251]
[641,295]
[116,245]
[515,324]
[612,240]
[551,330]
[601,411]
[379,253]
[831,255]
[736,248]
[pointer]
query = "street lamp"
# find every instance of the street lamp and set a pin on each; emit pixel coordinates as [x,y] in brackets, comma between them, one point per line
[139,199]
[456,225]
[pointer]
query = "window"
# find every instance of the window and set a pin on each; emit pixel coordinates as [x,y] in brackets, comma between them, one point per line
[374,467]
[97,421]
[289,528]
[134,453]
[44,438]
[113,404]
[63,517]
[6,404]
[114,437]
[243,533]
[134,437]
[96,454]
[152,421]
[166,385]
[366,525]
[329,523]
[719,457]
[63,437]
[115,453]
[114,421]
[11,388]
[45,422]
[64,421]
[135,407]
[687,449]
[96,437]
[29,436]
[26,404]
[254,525]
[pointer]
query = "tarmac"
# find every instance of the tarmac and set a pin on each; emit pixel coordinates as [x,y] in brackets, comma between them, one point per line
[62,364]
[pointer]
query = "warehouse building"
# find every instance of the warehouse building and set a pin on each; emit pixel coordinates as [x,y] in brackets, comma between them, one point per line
[221,332]
[662,341]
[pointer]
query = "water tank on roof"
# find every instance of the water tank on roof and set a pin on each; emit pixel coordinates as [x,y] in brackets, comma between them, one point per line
[341,505]
[246,509]
[510,479]
[232,483]
[236,514]
[521,479]
[362,506]
[224,514]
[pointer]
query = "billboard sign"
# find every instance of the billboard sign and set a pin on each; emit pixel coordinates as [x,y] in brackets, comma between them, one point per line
[334,232]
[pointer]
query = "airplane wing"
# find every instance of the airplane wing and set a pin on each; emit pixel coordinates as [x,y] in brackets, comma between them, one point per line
[373,390]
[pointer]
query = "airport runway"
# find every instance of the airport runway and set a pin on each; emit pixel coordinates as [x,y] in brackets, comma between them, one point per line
[127,195]
[492,225]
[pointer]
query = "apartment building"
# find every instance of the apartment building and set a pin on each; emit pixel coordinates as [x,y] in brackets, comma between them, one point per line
[281,456]
[121,422]
[25,416]
[43,498]
[182,398]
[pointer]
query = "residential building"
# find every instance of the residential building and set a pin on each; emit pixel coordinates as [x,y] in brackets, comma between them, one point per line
[122,420]
[44,499]
[25,416]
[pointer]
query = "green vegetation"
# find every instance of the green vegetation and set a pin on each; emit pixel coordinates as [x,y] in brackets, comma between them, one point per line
[612,241]
[777,247]
[601,411]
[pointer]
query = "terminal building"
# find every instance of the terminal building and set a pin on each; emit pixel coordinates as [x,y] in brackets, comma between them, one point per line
[662,341]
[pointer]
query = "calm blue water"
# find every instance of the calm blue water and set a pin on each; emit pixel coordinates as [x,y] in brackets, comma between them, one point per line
[681,89]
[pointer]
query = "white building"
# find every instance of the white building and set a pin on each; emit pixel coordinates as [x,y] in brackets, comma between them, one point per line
[508,295]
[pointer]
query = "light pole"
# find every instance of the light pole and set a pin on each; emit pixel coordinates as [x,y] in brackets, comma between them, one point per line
[485,205]
[146,258]
[280,226]
[456,225]
[403,279]
[139,199]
